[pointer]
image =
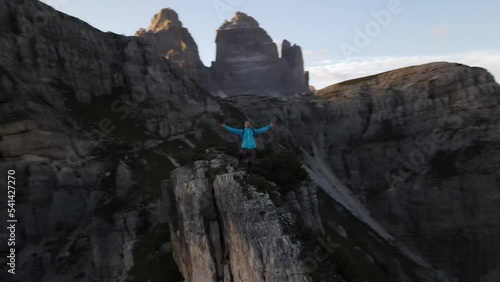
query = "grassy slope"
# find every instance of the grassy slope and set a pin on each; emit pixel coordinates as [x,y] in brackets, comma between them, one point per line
[151,261]
[360,242]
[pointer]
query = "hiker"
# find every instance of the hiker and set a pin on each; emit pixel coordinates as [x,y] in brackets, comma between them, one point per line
[247,140]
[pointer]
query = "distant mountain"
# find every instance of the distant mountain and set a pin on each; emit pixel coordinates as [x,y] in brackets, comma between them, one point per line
[248,63]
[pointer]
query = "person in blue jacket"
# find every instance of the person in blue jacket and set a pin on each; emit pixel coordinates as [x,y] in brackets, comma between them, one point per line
[247,140]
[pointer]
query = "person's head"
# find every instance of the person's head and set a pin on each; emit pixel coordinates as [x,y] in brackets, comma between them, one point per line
[247,124]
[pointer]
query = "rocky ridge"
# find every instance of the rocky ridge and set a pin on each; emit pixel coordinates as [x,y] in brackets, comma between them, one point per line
[413,151]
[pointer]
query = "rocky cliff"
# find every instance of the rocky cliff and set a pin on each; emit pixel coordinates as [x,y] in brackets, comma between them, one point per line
[223,229]
[247,61]
[167,37]
[83,115]
[432,134]
[412,152]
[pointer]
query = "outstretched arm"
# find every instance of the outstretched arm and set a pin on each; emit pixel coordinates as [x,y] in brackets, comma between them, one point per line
[232,130]
[264,129]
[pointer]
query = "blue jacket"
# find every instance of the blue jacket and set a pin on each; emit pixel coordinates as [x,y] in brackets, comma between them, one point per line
[248,141]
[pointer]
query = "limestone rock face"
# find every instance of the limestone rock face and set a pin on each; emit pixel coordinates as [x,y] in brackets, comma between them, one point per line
[303,206]
[167,37]
[78,110]
[295,77]
[416,150]
[247,61]
[224,230]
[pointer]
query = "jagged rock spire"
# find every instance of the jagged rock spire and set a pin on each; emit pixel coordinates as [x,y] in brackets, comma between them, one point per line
[164,20]
[248,63]
[240,20]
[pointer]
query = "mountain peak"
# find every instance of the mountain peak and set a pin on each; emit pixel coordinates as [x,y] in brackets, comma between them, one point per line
[240,20]
[164,20]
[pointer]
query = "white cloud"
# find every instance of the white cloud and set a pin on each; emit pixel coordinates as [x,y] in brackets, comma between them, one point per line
[324,62]
[325,73]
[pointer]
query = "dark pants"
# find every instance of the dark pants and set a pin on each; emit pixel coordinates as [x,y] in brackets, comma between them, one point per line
[246,153]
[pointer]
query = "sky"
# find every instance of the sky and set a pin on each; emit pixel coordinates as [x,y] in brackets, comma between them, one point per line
[340,39]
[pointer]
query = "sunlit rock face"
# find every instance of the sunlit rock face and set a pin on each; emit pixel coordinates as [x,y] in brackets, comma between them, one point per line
[167,37]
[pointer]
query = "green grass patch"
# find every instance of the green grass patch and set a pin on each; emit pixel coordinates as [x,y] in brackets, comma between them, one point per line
[266,151]
[283,168]
[152,166]
[150,169]
[210,138]
[361,240]
[263,186]
[108,180]
[108,210]
[108,115]
[212,173]
[232,114]
[443,164]
[388,132]
[191,137]
[218,117]
[259,182]
[151,262]
[179,150]
[325,260]
[477,148]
